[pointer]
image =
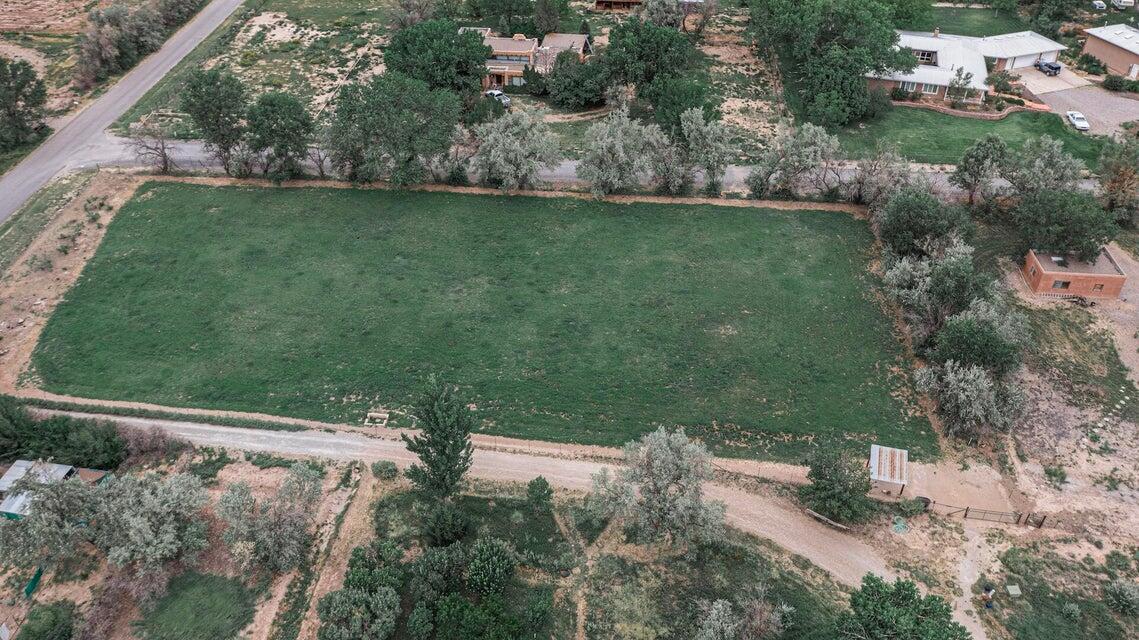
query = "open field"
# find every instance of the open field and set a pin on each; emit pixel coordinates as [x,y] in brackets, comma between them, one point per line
[928,136]
[563,319]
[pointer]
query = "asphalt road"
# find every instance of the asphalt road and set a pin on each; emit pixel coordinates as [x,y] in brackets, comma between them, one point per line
[83,136]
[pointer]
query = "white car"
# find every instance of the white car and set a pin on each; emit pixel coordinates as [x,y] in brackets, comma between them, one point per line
[500,96]
[1078,121]
[1099,5]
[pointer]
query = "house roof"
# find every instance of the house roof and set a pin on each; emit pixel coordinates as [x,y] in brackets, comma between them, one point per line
[44,472]
[1012,45]
[517,44]
[1121,35]
[952,53]
[566,41]
[888,464]
[1104,264]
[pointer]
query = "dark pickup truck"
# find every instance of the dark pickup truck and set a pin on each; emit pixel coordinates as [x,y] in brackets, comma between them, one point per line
[1049,68]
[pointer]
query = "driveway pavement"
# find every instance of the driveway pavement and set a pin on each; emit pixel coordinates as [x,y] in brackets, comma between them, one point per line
[1105,110]
[1041,85]
[83,134]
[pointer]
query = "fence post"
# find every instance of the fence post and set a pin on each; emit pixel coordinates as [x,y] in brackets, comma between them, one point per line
[966,513]
[1041,523]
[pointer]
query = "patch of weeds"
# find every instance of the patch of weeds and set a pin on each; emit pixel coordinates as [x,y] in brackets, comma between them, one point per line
[346,475]
[40,262]
[1112,481]
[213,460]
[268,460]
[1057,476]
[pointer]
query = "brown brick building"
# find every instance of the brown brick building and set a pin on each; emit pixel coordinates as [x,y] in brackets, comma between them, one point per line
[1064,276]
[1117,45]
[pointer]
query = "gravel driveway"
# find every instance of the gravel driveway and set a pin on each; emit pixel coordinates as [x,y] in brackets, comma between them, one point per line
[1105,110]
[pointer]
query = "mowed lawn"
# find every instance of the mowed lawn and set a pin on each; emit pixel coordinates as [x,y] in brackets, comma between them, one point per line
[562,319]
[928,136]
[978,23]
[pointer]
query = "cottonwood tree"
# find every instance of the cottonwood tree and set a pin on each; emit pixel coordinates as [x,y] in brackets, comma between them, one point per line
[1119,179]
[931,289]
[274,534]
[1040,165]
[792,157]
[436,53]
[22,97]
[412,12]
[444,442]
[115,40]
[671,96]
[638,51]
[513,149]
[217,104]
[175,12]
[152,145]
[1064,222]
[573,84]
[878,176]
[355,614]
[985,335]
[391,128]
[55,530]
[971,402]
[279,129]
[839,485]
[980,166]
[881,611]
[146,521]
[660,489]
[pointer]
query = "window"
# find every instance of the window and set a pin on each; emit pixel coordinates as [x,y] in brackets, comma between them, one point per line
[1098,287]
[1032,271]
[926,57]
[929,88]
[910,86]
[1061,284]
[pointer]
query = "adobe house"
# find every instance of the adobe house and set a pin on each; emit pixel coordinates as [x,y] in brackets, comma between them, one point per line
[1060,276]
[940,55]
[508,58]
[1117,46]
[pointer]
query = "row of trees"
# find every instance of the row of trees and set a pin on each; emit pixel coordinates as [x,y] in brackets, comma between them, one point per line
[120,35]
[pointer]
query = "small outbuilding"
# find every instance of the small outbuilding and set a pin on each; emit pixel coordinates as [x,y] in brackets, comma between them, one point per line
[14,504]
[1117,46]
[1065,276]
[889,465]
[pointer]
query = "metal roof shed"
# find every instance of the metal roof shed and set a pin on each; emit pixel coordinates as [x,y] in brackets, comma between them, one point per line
[891,465]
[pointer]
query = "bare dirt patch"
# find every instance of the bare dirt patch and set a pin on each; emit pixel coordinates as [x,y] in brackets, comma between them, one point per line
[53,16]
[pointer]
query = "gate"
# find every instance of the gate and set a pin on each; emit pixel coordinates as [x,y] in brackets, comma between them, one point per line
[988,515]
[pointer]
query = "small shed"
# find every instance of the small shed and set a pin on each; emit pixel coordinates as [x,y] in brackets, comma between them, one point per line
[15,505]
[889,465]
[1056,275]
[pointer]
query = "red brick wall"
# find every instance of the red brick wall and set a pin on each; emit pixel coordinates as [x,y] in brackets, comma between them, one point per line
[1080,284]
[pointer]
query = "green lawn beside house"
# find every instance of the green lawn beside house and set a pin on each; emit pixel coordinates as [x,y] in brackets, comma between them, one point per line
[970,22]
[562,319]
[928,136]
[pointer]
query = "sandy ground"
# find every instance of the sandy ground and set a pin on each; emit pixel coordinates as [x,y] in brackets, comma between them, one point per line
[53,16]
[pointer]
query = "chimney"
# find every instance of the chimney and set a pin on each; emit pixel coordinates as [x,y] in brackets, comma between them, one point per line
[936,31]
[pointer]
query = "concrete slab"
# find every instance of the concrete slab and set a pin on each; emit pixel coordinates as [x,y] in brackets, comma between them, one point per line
[1106,111]
[1040,84]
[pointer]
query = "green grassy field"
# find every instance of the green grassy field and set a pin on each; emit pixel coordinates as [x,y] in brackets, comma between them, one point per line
[562,319]
[199,607]
[928,136]
[970,22]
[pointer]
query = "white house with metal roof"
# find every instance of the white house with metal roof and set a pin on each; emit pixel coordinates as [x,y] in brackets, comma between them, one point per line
[941,55]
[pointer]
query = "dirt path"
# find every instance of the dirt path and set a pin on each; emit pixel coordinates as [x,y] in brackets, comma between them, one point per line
[777,519]
[977,559]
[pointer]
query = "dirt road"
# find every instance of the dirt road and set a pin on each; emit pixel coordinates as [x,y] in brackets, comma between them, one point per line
[83,134]
[845,557]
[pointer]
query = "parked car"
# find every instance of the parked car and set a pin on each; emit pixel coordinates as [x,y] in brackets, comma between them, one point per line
[1099,5]
[1122,4]
[1049,68]
[1078,121]
[502,98]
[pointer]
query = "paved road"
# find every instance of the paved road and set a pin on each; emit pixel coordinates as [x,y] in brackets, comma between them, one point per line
[83,135]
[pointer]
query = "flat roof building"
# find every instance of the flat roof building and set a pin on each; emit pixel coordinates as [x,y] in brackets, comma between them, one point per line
[1062,276]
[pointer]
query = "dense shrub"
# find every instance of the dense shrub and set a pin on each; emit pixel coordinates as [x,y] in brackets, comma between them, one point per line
[539,494]
[899,94]
[969,340]
[436,573]
[491,566]
[63,439]
[1114,83]
[460,619]
[839,486]
[914,221]
[49,622]
[352,614]
[1091,64]
[573,84]
[1122,596]
[385,470]
[878,104]
[445,524]
[373,566]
